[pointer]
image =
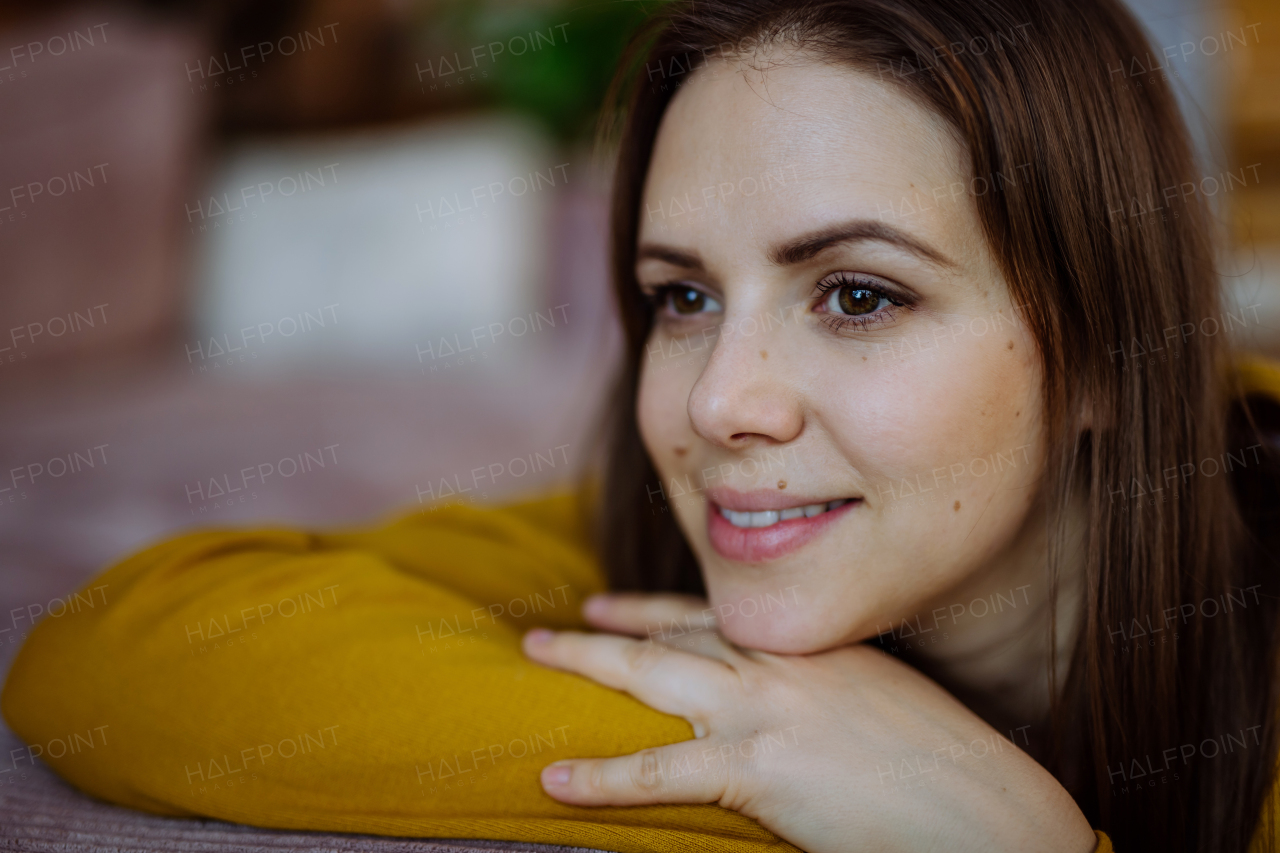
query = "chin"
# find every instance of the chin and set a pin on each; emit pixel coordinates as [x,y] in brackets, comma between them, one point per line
[777,621]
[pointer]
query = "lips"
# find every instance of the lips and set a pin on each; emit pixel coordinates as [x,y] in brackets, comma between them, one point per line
[762,526]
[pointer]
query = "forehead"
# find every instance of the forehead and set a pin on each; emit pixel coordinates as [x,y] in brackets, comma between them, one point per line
[765,153]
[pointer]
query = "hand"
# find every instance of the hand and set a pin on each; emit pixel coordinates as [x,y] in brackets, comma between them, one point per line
[848,749]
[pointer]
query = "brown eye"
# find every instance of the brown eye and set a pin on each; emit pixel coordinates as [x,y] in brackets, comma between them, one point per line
[687,300]
[850,299]
[857,300]
[678,301]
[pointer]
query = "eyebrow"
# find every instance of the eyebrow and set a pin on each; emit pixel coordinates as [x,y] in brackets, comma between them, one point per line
[668,254]
[809,246]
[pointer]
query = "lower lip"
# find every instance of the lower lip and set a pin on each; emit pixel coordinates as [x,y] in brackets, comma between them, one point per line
[760,544]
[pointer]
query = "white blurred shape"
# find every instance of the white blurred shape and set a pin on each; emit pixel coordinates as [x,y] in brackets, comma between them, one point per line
[412,234]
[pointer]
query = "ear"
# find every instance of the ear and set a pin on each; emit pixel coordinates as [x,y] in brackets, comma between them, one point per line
[1092,411]
[1086,413]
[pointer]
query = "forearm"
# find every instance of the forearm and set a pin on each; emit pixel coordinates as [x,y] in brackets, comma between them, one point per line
[270,679]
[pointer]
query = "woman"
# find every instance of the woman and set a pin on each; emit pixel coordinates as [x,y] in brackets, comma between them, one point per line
[918,392]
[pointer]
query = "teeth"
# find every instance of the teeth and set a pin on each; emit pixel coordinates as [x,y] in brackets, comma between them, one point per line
[769,518]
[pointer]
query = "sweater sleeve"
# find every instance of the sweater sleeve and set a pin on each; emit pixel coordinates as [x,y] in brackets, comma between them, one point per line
[367,681]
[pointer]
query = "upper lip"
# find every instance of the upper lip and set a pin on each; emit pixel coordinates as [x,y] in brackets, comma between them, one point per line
[766,499]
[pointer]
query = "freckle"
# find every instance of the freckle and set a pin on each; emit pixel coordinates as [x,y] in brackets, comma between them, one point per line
[1010,344]
[782,484]
[764,354]
[681,451]
[864,358]
[1018,414]
[957,506]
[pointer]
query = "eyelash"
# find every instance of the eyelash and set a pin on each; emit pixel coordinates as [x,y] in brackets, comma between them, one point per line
[837,281]
[659,297]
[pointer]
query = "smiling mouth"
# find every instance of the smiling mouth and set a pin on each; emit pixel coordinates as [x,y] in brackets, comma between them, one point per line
[768,518]
[764,528]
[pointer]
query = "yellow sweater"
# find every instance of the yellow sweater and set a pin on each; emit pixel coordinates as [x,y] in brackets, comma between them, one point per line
[368,681]
[357,682]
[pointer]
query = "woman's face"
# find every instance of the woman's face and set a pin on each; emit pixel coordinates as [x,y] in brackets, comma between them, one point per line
[838,393]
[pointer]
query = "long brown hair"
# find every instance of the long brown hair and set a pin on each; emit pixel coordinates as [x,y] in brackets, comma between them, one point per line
[1105,259]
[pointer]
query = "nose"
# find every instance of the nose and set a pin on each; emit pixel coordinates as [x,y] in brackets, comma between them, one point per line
[743,396]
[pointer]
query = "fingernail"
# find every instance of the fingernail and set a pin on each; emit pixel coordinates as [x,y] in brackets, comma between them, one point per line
[556,774]
[539,635]
[596,605]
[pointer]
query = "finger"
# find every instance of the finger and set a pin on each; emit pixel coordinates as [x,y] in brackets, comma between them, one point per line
[688,772]
[711,644]
[663,678]
[682,621]
[648,615]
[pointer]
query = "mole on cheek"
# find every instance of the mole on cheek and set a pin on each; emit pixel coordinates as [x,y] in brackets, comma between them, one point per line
[1010,344]
[764,354]
[957,506]
[681,451]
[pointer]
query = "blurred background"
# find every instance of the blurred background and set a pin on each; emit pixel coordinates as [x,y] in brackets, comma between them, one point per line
[317,261]
[304,261]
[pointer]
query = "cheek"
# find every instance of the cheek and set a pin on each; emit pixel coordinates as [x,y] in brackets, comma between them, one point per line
[662,414]
[662,408]
[948,452]
[945,420]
